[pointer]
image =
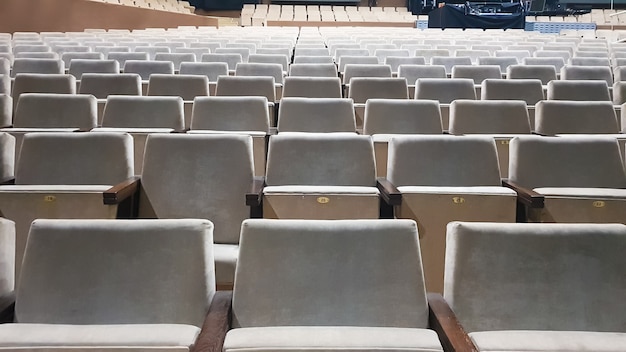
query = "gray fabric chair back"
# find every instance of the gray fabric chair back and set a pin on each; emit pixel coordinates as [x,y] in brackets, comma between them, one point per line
[260,69]
[185,86]
[570,72]
[528,90]
[231,59]
[313,159]
[71,56]
[48,110]
[564,117]
[477,73]
[316,115]
[43,66]
[80,66]
[402,116]
[582,90]
[313,70]
[117,272]
[146,68]
[246,86]
[287,276]
[230,114]
[536,276]
[359,70]
[445,90]
[143,112]
[42,83]
[75,159]
[364,88]
[198,176]
[489,117]
[414,72]
[210,69]
[101,85]
[312,87]
[570,161]
[431,160]
[544,73]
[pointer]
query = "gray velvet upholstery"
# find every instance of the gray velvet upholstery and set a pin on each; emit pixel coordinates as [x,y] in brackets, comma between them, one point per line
[399,116]
[230,114]
[539,341]
[564,117]
[556,62]
[101,85]
[287,276]
[566,162]
[74,159]
[244,52]
[361,70]
[333,338]
[413,72]
[48,110]
[316,115]
[445,90]
[126,272]
[313,70]
[555,277]
[320,159]
[231,59]
[470,161]
[477,73]
[6,110]
[342,61]
[571,72]
[210,69]
[185,86]
[450,61]
[260,69]
[246,86]
[7,256]
[146,68]
[489,117]
[312,87]
[270,59]
[123,111]
[175,58]
[202,176]
[583,90]
[590,61]
[528,90]
[544,73]
[123,57]
[42,66]
[79,66]
[504,61]
[42,83]
[363,88]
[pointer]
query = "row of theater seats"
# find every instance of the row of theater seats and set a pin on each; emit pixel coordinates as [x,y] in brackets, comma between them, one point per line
[431,179]
[317,285]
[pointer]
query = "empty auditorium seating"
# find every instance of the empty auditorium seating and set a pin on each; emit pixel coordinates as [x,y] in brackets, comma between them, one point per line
[163,267]
[562,270]
[363,88]
[445,90]
[306,177]
[316,115]
[446,178]
[554,117]
[583,90]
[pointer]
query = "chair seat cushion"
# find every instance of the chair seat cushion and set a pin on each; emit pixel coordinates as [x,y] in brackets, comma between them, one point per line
[562,341]
[479,190]
[54,188]
[360,190]
[225,262]
[330,338]
[133,130]
[582,192]
[60,336]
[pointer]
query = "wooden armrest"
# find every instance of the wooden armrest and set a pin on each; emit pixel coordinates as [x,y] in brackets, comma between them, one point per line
[388,192]
[7,307]
[255,194]
[442,319]
[121,191]
[10,180]
[216,324]
[525,195]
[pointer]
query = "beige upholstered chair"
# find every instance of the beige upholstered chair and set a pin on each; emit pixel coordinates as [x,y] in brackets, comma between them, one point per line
[235,115]
[569,187]
[132,284]
[202,176]
[386,118]
[42,83]
[263,69]
[554,117]
[187,87]
[66,175]
[528,90]
[445,90]
[141,116]
[415,71]
[442,179]
[363,88]
[538,287]
[307,177]
[502,120]
[312,313]
[316,115]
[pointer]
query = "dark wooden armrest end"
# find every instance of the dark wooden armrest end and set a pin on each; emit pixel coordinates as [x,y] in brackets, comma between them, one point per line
[121,191]
[216,324]
[525,195]
[388,191]
[7,308]
[442,319]
[255,195]
[10,180]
